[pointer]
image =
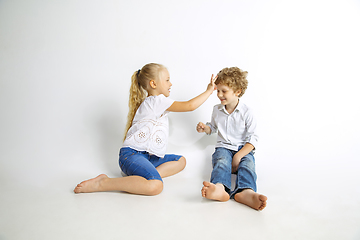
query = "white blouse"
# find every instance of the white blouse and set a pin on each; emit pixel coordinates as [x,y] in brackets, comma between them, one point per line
[150,128]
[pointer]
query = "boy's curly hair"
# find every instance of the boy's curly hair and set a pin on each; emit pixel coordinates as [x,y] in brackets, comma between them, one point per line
[234,78]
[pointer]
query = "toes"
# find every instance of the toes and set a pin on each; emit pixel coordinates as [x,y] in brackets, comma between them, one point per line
[206,184]
[203,192]
[262,207]
[262,198]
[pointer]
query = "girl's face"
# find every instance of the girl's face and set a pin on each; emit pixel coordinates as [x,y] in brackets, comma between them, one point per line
[164,84]
[227,96]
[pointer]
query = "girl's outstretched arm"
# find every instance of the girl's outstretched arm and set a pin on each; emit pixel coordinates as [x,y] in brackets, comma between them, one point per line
[196,102]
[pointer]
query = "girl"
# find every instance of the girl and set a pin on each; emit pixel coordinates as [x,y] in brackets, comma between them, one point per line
[142,157]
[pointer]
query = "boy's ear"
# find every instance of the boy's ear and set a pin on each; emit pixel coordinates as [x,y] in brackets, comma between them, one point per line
[152,84]
[237,93]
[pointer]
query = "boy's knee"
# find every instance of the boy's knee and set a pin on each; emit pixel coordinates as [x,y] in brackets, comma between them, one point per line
[247,163]
[222,163]
[155,187]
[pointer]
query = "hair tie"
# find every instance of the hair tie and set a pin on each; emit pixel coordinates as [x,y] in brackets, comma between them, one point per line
[138,72]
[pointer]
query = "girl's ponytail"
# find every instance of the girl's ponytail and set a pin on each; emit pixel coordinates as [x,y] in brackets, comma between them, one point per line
[136,97]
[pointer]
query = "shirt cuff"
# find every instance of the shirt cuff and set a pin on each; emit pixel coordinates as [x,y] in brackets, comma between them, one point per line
[212,129]
[253,141]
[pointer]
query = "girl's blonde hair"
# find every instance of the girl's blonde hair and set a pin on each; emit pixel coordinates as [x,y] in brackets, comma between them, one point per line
[138,89]
[234,78]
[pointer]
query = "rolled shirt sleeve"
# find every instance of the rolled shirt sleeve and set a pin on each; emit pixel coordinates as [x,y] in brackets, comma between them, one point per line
[252,136]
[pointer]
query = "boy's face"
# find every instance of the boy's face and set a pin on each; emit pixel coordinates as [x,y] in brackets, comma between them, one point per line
[227,95]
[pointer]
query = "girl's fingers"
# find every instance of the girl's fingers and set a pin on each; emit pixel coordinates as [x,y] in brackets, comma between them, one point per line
[213,78]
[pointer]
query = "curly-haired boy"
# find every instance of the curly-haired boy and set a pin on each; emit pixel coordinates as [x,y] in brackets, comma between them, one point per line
[237,139]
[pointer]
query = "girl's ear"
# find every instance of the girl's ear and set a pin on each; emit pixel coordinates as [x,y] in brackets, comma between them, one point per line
[152,84]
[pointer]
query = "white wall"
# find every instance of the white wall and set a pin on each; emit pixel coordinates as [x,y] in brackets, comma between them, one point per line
[65,70]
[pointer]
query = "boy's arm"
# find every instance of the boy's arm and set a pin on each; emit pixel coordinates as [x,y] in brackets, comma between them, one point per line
[248,147]
[251,139]
[196,102]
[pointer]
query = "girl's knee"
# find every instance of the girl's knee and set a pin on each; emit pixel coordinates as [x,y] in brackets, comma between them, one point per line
[155,187]
[182,162]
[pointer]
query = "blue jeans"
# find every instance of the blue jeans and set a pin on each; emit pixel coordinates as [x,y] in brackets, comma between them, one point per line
[141,163]
[222,164]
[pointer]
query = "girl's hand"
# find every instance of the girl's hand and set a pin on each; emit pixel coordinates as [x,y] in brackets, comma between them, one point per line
[196,102]
[201,127]
[212,86]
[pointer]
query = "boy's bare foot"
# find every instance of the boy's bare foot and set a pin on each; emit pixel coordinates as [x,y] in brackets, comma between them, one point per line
[251,198]
[91,185]
[214,192]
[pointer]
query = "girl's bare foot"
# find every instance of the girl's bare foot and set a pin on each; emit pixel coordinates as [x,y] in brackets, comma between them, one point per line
[91,185]
[214,191]
[251,198]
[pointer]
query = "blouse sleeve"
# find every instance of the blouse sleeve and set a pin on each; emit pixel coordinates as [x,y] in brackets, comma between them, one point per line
[161,103]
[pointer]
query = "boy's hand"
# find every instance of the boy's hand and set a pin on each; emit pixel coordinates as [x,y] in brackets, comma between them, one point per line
[248,147]
[235,162]
[212,86]
[201,127]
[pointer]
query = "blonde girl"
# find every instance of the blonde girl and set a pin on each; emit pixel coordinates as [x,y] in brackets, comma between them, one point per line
[142,157]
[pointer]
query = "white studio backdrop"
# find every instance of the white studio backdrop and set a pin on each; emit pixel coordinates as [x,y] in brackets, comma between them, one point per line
[65,69]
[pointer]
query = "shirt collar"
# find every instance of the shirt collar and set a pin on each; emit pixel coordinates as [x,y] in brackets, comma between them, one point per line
[222,107]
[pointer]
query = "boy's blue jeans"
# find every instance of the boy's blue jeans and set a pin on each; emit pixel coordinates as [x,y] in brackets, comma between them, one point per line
[222,164]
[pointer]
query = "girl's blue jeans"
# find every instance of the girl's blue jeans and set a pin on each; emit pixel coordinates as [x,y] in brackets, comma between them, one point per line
[222,165]
[141,163]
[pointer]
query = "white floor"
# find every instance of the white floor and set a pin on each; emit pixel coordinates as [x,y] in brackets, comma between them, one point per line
[306,201]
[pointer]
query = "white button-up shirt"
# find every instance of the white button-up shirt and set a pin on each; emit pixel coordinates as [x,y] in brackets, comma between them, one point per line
[235,129]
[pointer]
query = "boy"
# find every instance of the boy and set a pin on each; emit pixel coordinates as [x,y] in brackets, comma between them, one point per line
[237,138]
